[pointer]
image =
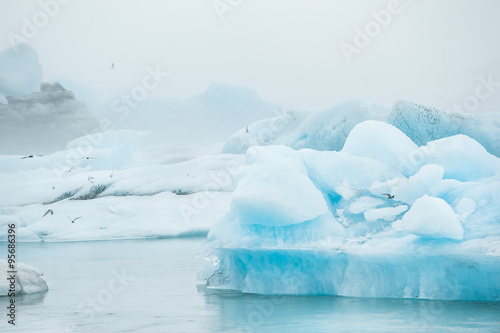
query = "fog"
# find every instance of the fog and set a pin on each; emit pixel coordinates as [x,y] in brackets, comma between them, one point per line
[297,54]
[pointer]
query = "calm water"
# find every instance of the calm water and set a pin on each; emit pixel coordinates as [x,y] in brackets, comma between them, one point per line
[150,286]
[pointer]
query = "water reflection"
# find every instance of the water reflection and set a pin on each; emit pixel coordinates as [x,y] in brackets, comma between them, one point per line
[256,313]
[162,297]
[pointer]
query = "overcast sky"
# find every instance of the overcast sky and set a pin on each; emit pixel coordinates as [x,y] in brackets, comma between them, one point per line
[430,52]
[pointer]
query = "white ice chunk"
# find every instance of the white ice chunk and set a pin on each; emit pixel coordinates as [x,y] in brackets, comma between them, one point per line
[463,158]
[386,213]
[432,217]
[380,141]
[275,190]
[362,204]
[28,279]
[343,173]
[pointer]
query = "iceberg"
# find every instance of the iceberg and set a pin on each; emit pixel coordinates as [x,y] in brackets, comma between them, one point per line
[118,189]
[328,129]
[385,215]
[29,280]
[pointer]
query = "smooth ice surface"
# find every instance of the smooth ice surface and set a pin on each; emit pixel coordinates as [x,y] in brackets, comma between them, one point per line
[432,217]
[276,194]
[379,141]
[29,280]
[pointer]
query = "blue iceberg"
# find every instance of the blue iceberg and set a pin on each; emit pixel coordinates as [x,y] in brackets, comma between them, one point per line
[403,206]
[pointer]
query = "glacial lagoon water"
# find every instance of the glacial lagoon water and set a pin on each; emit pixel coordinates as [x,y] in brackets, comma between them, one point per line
[150,286]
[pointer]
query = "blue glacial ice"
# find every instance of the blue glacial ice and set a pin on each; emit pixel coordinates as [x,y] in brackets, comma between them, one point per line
[323,221]
[328,129]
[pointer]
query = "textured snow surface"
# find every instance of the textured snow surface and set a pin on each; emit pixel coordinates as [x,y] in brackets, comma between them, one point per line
[115,190]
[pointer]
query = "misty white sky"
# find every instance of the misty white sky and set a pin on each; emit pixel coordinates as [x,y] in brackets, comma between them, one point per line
[287,50]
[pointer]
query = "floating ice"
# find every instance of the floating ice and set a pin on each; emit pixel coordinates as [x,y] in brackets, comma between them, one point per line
[337,202]
[328,129]
[28,279]
[389,231]
[160,192]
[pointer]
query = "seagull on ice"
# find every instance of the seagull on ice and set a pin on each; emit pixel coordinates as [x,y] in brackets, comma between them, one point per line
[29,156]
[73,220]
[50,211]
[388,195]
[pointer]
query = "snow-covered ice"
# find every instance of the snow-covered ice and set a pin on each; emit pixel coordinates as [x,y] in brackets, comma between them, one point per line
[119,191]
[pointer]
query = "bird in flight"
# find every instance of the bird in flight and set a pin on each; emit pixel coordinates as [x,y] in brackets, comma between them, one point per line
[112,66]
[90,179]
[388,195]
[50,211]
[73,220]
